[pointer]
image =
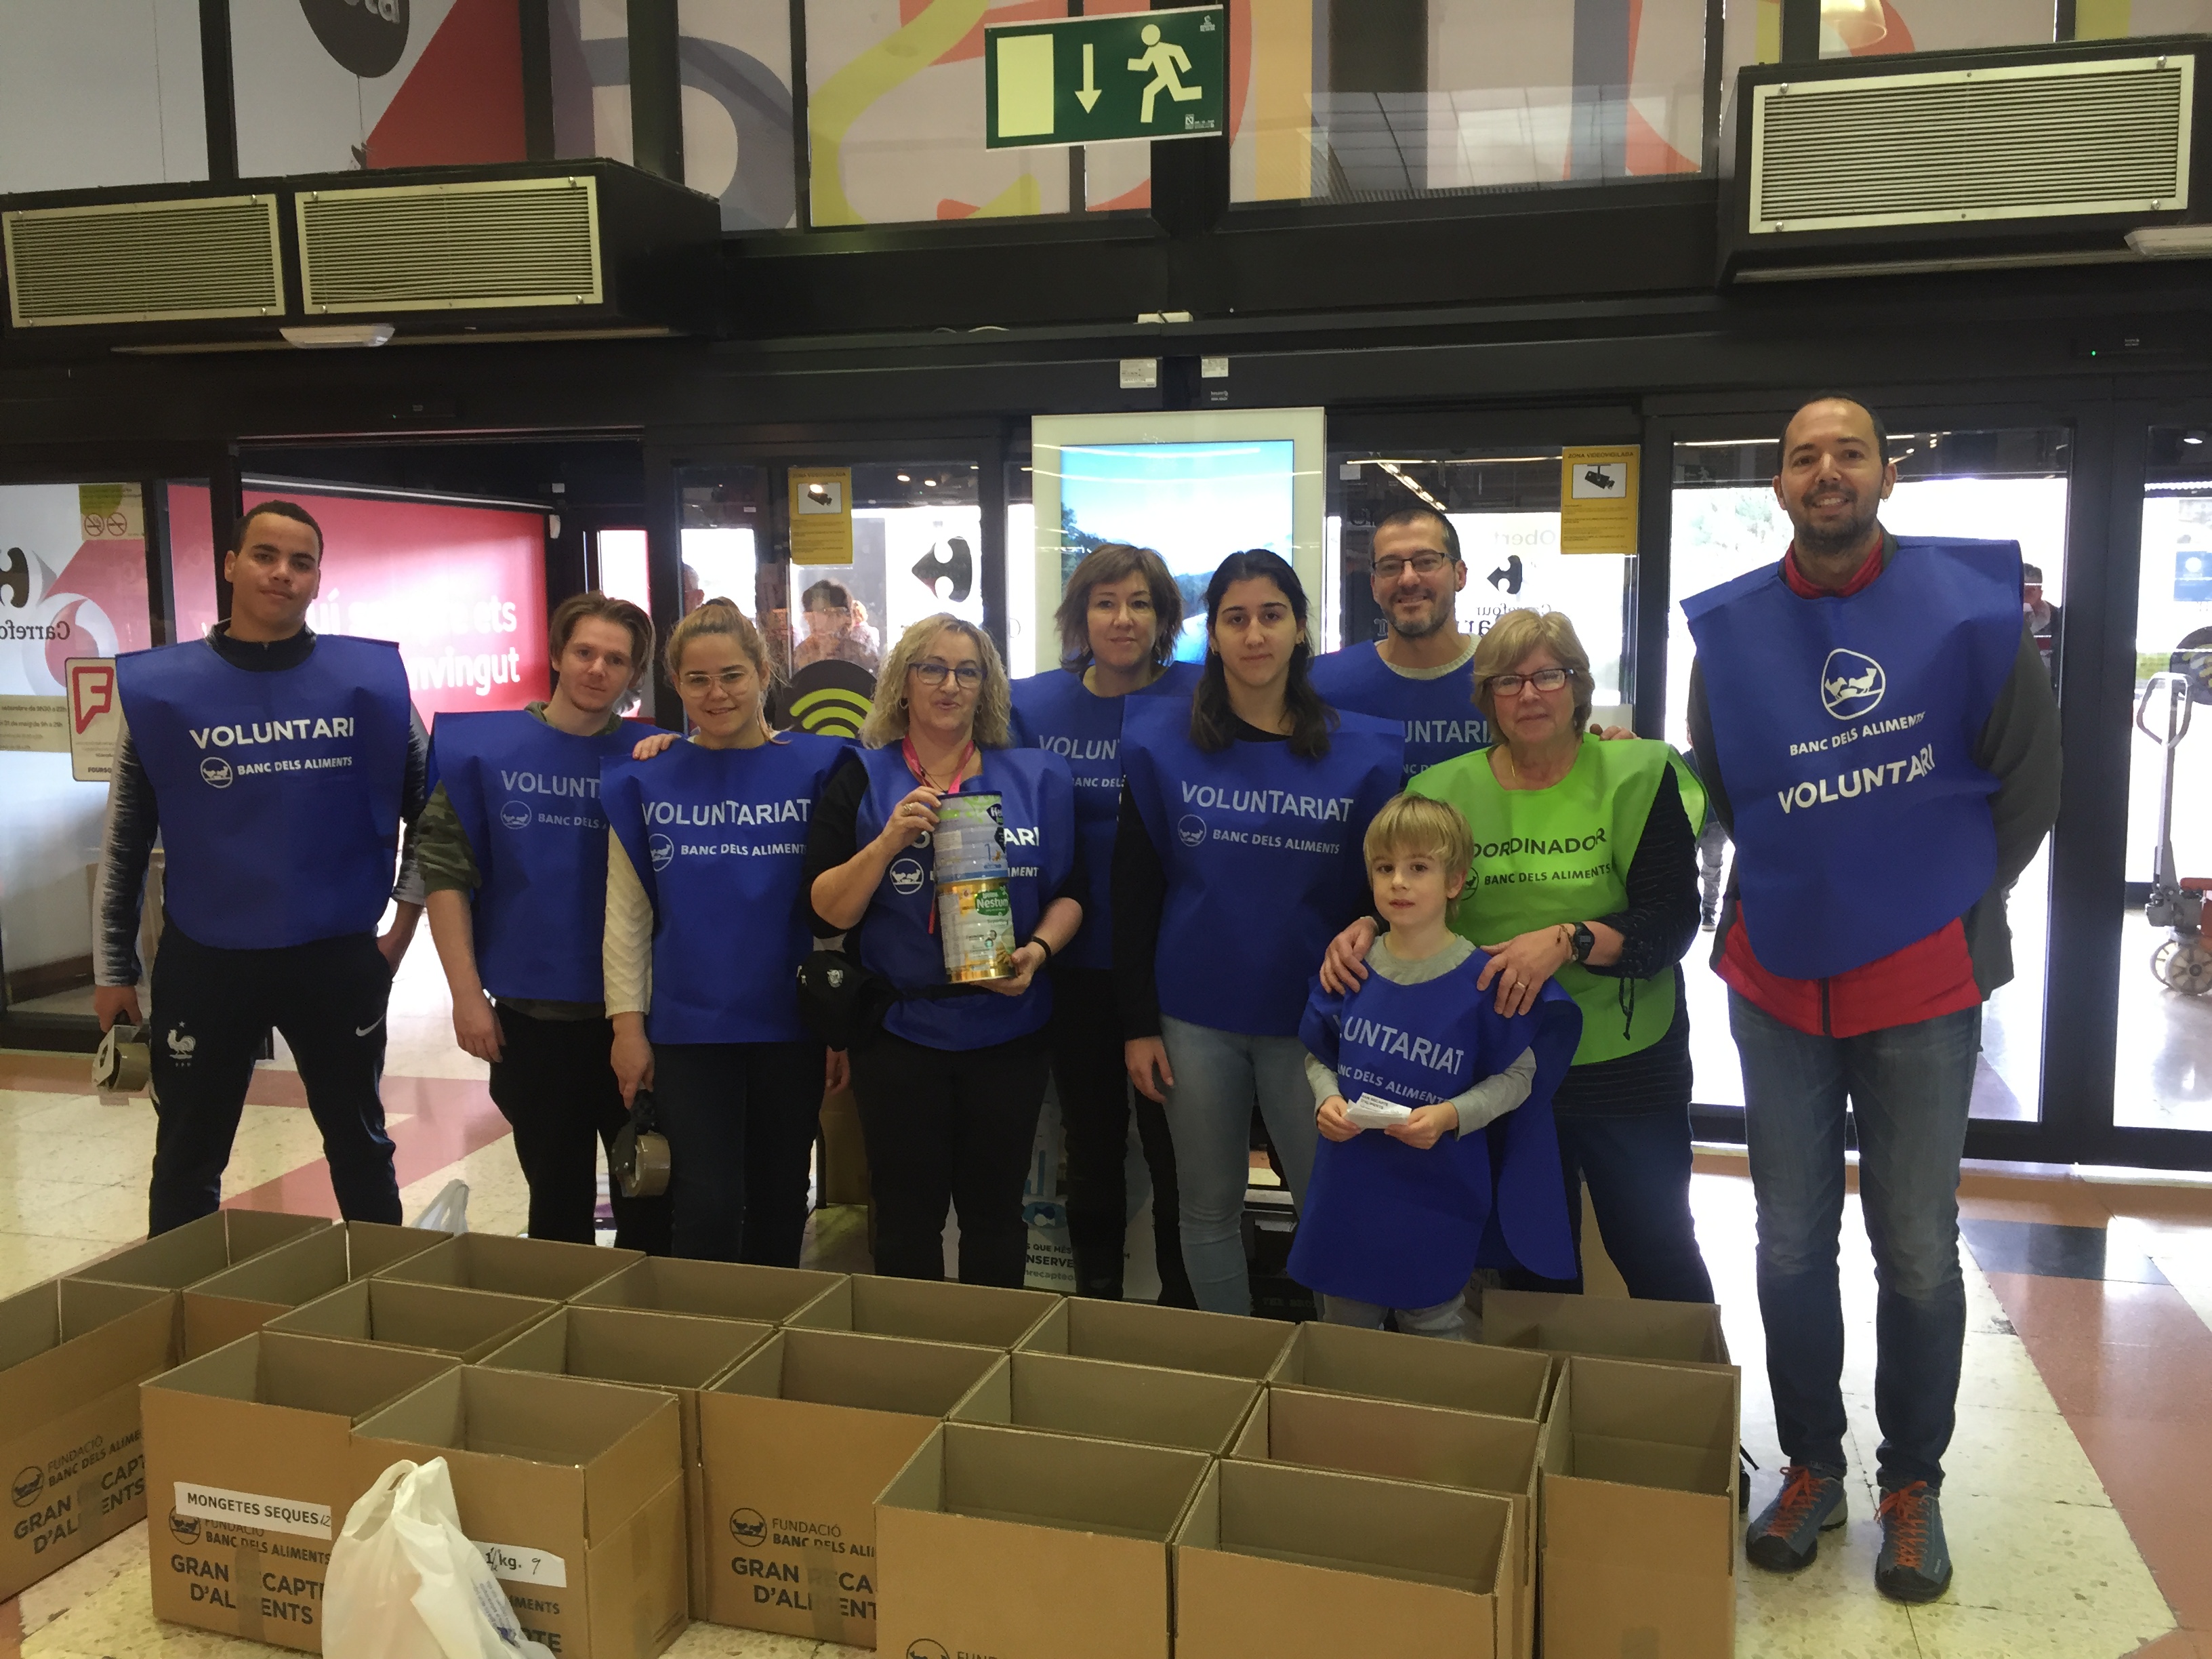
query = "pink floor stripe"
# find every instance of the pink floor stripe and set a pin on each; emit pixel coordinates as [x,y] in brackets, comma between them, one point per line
[446,1119]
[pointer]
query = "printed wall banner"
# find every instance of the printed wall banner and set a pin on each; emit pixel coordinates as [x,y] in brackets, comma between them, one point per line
[35,724]
[1597,500]
[72,582]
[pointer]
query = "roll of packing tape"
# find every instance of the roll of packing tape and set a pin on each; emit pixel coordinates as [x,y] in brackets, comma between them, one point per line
[641,1162]
[123,1063]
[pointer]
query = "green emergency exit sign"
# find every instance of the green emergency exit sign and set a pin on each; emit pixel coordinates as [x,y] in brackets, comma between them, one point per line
[1098,80]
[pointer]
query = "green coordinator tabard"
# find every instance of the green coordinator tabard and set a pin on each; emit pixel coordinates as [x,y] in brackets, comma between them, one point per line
[1546,856]
[1098,80]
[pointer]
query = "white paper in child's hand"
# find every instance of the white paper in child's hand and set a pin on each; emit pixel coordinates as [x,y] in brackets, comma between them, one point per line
[1371,1112]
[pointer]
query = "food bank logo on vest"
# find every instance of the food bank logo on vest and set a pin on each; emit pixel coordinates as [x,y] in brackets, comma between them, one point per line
[1190,830]
[215,772]
[906,875]
[1852,684]
[663,851]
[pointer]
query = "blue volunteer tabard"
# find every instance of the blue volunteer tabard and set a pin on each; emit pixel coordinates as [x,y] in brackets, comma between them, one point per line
[1439,715]
[1055,713]
[527,795]
[718,837]
[1263,858]
[278,793]
[1846,730]
[1402,1227]
[898,939]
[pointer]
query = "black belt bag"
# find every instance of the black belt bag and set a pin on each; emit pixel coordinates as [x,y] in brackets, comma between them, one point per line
[844,1003]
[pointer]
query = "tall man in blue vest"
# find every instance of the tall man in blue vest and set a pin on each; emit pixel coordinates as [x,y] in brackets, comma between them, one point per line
[1876,729]
[1420,671]
[278,767]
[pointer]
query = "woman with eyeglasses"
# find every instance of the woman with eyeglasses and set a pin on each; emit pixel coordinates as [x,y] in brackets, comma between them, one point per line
[706,927]
[950,1089]
[1585,871]
[1238,855]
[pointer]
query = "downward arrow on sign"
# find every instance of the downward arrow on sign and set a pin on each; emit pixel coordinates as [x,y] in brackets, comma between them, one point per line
[1088,96]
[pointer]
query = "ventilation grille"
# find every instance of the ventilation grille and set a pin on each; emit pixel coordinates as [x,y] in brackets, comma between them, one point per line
[143,262]
[2036,141]
[450,247]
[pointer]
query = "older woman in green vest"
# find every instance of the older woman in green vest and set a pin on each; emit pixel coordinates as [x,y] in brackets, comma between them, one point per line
[1585,871]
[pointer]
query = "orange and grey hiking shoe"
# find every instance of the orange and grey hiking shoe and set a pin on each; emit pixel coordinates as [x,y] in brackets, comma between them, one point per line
[1916,1563]
[1786,1536]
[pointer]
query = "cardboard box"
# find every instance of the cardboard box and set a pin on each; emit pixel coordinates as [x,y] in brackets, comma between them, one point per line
[199,1249]
[1643,1454]
[712,1290]
[1678,1332]
[1181,1339]
[1281,1563]
[1026,1546]
[1144,1404]
[72,1354]
[794,1445]
[542,1267]
[1500,1456]
[464,1325]
[1420,1370]
[928,1310]
[240,1300]
[575,1492]
[674,1352]
[249,1456]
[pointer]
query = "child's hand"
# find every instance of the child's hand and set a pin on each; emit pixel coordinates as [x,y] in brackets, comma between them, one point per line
[1331,1122]
[1427,1126]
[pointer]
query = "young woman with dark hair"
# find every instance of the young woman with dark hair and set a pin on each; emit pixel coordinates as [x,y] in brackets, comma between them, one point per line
[1237,857]
[1118,624]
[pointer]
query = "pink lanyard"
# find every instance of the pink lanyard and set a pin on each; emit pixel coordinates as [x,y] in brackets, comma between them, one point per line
[914,765]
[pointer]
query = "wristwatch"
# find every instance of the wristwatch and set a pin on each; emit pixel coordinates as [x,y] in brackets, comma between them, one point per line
[1583,942]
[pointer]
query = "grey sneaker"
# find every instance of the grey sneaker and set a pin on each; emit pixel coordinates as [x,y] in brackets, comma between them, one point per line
[1915,1564]
[1786,1536]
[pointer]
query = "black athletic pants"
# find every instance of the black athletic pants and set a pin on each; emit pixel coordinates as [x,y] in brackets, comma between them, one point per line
[554,1084]
[950,1126]
[210,1009]
[1093,1082]
[741,1119]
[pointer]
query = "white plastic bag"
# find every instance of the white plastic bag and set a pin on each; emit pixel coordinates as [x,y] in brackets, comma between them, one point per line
[404,1583]
[448,1213]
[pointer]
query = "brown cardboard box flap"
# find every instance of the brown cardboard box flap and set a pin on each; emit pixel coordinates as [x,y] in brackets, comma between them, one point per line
[240,1300]
[712,1289]
[1310,1564]
[1049,1480]
[373,1246]
[1418,1370]
[540,1267]
[1689,1332]
[285,1372]
[56,1336]
[435,1318]
[928,1310]
[1393,1440]
[857,1372]
[624,1345]
[1627,1400]
[186,1255]
[1145,1404]
[617,1446]
[1179,1338]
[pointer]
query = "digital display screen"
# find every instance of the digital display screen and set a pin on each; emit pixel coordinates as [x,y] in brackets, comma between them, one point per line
[1194,503]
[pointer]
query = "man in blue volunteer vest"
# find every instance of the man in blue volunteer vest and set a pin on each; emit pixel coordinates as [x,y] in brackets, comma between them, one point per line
[277,766]
[1420,671]
[512,846]
[1875,728]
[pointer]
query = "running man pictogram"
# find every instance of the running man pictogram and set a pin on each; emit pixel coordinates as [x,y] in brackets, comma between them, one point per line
[1167,61]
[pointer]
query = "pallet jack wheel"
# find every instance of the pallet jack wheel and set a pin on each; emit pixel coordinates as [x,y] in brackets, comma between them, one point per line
[2184,965]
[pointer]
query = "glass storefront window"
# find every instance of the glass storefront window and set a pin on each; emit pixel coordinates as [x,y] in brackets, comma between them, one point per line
[2164,1077]
[2009,483]
[72,583]
[101,92]
[1505,506]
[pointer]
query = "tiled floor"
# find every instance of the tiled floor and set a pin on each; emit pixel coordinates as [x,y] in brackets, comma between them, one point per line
[2078,1489]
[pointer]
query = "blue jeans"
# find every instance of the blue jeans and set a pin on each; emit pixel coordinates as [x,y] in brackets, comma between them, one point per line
[1909,1087]
[1219,1077]
[1637,1165]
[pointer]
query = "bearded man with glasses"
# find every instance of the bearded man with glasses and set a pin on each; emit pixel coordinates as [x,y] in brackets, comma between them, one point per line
[1420,671]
